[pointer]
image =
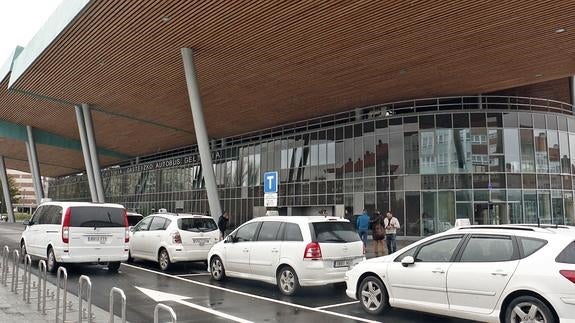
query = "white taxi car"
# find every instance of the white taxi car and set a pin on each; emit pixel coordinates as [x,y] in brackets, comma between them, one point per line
[168,238]
[500,273]
[290,251]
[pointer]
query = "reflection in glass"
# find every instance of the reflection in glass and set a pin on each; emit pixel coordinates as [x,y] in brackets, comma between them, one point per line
[429,212]
[369,156]
[427,152]
[554,155]
[541,159]
[446,219]
[464,211]
[569,211]
[557,205]
[397,208]
[479,157]
[412,213]
[564,152]
[463,151]
[544,199]
[411,152]
[396,153]
[512,156]
[527,152]
[382,155]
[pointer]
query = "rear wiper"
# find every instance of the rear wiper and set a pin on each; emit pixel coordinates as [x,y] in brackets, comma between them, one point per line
[334,240]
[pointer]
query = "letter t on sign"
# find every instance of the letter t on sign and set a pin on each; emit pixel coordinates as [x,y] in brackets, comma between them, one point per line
[271,182]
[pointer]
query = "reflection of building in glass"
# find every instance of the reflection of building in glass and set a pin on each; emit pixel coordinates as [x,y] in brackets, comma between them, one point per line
[491,166]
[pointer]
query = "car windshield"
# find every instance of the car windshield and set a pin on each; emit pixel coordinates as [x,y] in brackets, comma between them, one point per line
[335,232]
[197,224]
[96,217]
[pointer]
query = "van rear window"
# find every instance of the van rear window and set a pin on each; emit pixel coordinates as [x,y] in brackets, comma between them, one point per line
[334,232]
[96,217]
[567,256]
[197,225]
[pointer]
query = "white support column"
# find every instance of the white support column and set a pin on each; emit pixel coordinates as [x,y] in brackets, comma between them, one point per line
[86,153]
[201,133]
[34,168]
[6,190]
[93,152]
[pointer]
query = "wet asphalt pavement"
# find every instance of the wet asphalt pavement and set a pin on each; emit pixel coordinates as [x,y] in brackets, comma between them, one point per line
[188,289]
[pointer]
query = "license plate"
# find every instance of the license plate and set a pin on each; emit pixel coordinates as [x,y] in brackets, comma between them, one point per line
[100,239]
[201,242]
[342,263]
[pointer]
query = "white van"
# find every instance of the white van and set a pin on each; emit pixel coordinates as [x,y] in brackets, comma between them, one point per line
[290,251]
[77,232]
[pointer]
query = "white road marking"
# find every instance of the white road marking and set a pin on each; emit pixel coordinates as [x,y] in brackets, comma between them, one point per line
[192,275]
[158,297]
[336,305]
[255,296]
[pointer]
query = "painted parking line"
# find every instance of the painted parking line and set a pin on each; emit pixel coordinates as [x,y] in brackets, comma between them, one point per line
[193,275]
[336,305]
[312,309]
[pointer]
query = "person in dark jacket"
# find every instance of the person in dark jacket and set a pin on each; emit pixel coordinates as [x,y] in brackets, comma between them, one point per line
[223,224]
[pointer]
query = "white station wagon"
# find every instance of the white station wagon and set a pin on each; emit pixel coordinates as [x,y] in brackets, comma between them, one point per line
[168,238]
[484,273]
[290,251]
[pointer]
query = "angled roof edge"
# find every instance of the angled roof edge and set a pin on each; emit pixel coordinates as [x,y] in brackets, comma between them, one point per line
[7,67]
[66,12]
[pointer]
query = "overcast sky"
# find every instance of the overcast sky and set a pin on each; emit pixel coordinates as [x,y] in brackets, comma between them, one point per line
[19,22]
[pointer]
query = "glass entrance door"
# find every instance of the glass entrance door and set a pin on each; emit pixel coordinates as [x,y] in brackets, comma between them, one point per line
[490,213]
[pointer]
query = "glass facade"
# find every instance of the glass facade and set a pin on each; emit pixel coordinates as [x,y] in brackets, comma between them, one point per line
[505,163]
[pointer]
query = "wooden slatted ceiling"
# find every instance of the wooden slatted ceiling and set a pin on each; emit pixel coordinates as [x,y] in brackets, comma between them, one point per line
[264,63]
[54,161]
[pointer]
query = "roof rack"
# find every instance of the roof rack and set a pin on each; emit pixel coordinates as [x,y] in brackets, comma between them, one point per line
[499,227]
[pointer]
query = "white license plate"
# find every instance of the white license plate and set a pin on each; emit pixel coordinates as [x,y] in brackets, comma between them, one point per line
[100,239]
[342,263]
[201,242]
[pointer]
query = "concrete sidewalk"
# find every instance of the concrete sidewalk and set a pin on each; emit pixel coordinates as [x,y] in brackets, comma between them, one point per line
[13,309]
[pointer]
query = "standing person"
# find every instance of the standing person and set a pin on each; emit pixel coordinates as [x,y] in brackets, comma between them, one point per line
[378,233]
[391,224]
[223,224]
[362,225]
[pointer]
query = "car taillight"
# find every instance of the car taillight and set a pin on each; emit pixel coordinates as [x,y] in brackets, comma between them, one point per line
[66,226]
[176,237]
[569,274]
[312,251]
[126,227]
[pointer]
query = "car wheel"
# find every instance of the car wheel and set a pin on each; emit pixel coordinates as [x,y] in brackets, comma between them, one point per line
[287,281]
[164,260]
[372,295]
[217,269]
[528,309]
[51,264]
[113,266]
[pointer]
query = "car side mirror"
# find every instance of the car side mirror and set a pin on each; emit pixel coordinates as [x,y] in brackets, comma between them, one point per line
[229,239]
[406,261]
[27,222]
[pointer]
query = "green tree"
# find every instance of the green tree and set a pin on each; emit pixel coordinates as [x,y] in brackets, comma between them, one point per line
[14,193]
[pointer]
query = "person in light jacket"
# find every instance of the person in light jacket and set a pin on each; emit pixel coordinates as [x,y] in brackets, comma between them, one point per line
[391,224]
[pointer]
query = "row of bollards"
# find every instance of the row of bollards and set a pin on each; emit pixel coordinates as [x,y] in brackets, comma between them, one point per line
[65,307]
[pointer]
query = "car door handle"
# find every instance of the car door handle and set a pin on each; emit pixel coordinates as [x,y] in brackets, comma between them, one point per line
[246,250]
[498,273]
[275,250]
[438,271]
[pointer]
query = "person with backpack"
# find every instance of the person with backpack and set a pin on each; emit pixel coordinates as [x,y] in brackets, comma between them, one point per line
[378,234]
[223,224]
[362,225]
